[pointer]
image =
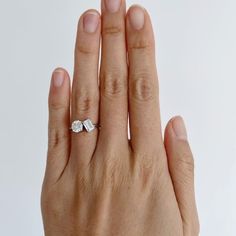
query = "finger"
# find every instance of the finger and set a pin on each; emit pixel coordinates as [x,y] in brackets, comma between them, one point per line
[59,119]
[85,92]
[181,167]
[143,85]
[114,103]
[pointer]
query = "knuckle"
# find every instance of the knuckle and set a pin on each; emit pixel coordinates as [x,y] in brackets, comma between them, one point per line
[56,137]
[113,84]
[54,105]
[185,162]
[146,171]
[142,87]
[84,48]
[149,169]
[110,172]
[140,44]
[85,101]
[112,30]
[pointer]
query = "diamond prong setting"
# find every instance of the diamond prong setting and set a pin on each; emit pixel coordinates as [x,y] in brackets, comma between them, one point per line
[77,126]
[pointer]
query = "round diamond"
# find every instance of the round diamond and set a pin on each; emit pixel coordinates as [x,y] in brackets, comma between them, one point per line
[77,126]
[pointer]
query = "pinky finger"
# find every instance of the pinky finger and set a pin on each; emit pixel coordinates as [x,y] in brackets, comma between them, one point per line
[181,167]
[58,127]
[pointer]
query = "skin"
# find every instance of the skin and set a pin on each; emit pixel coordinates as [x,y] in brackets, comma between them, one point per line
[102,183]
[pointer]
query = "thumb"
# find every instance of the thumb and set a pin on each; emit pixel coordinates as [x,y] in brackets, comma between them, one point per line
[181,168]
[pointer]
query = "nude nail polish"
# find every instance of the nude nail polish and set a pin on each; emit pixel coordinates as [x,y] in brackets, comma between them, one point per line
[90,22]
[113,5]
[137,17]
[179,128]
[58,78]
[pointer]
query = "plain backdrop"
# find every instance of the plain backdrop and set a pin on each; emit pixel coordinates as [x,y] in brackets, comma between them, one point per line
[196,48]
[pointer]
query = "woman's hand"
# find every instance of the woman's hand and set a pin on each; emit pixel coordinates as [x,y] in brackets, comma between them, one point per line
[102,183]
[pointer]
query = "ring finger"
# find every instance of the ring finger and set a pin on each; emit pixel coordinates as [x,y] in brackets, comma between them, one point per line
[85,91]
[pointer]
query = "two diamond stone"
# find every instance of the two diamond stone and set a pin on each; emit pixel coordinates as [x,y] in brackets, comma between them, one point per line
[78,126]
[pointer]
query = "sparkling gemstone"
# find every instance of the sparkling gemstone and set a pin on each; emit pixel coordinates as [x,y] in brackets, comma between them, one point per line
[77,126]
[88,125]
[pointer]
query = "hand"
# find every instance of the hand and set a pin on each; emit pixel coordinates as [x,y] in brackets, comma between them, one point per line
[102,183]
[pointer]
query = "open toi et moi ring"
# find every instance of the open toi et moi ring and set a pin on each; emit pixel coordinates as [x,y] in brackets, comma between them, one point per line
[78,126]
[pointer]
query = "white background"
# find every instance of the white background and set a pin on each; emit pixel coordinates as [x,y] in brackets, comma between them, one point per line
[196,44]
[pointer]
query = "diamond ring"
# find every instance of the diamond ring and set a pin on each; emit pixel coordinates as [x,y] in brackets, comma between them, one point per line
[78,126]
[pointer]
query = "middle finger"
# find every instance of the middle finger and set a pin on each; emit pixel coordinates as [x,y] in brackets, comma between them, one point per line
[114,101]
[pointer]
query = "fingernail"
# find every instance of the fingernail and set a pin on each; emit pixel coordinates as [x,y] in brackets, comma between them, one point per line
[113,5]
[58,77]
[179,128]
[90,21]
[137,17]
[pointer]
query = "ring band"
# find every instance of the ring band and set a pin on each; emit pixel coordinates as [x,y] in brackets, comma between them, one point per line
[78,126]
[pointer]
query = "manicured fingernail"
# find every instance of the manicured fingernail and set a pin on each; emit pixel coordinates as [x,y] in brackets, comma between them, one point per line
[179,128]
[91,20]
[113,5]
[137,17]
[58,77]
